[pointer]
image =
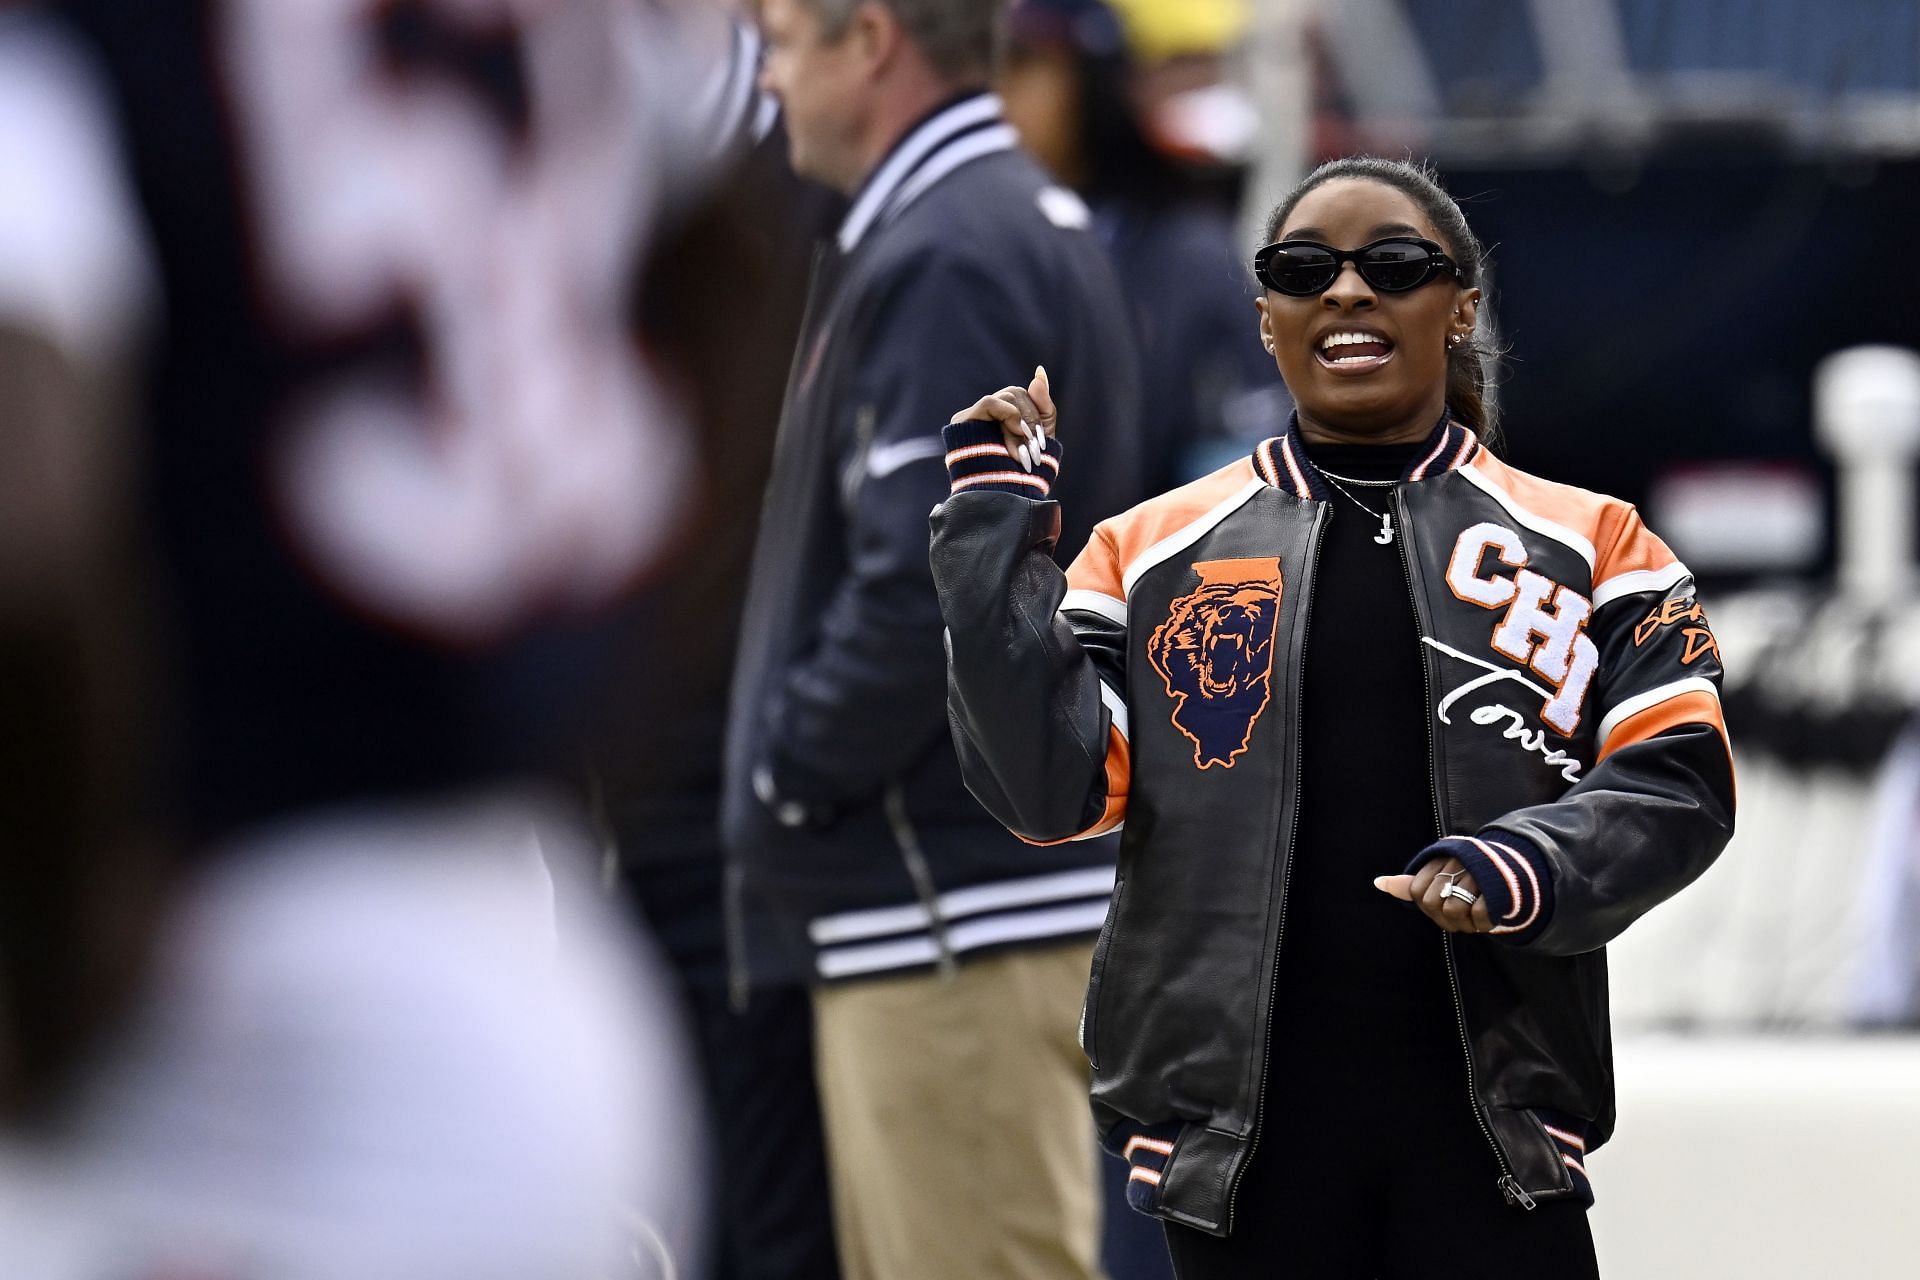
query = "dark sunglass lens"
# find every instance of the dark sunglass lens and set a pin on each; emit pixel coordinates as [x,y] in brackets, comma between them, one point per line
[1395,267]
[1301,269]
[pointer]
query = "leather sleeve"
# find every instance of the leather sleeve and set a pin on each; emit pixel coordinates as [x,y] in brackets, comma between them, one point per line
[1658,806]
[1034,694]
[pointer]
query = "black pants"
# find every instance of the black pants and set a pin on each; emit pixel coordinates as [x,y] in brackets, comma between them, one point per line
[1395,1191]
[772,1219]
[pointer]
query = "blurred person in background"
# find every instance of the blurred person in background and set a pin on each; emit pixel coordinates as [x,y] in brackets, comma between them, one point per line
[1130,104]
[396,450]
[948,958]
[659,731]
[1306,1076]
[77,877]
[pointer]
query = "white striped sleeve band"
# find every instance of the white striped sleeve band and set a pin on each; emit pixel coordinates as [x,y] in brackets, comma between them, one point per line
[1620,712]
[1109,607]
[1117,708]
[1638,581]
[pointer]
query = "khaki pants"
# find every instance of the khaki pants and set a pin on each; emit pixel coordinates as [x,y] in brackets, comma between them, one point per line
[958,1134]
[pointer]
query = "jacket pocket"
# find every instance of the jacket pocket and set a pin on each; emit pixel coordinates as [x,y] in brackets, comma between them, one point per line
[1090,1010]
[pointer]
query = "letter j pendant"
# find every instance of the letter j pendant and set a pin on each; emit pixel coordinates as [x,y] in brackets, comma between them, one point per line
[1385,536]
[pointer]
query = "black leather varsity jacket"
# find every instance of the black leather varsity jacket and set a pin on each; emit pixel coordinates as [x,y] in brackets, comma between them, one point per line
[1578,756]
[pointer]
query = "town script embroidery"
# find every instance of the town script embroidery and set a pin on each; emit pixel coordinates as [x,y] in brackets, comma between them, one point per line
[1515,729]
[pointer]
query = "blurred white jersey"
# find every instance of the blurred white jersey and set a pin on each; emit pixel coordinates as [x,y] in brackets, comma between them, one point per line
[406,1043]
[397,422]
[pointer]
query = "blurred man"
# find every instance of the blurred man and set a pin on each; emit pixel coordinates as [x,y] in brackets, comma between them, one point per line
[950,960]
[75,880]
[1126,103]
[659,742]
[398,448]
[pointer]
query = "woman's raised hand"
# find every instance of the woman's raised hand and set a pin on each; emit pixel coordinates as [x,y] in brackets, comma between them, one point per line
[1026,415]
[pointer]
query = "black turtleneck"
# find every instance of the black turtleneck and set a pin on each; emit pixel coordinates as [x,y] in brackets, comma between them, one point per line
[1364,1010]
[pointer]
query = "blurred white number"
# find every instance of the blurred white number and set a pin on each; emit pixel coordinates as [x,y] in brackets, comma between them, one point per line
[537,465]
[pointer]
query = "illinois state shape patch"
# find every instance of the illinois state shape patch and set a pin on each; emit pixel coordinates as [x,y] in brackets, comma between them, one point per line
[1215,654]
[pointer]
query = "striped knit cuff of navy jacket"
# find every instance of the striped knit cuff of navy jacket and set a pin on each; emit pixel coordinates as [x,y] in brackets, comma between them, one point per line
[1511,874]
[1146,1148]
[1570,1136]
[978,459]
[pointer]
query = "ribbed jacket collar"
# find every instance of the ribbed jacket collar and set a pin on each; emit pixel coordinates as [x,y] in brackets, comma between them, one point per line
[1282,460]
[964,129]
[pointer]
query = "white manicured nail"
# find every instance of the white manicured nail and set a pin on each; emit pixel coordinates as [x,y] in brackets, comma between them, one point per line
[1025,460]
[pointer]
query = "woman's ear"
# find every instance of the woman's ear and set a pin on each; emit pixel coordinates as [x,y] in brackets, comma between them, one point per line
[1266,325]
[1466,310]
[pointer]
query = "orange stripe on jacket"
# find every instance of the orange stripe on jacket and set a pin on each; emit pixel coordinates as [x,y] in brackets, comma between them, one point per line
[1118,542]
[1119,776]
[1693,707]
[1097,567]
[1633,548]
[1621,542]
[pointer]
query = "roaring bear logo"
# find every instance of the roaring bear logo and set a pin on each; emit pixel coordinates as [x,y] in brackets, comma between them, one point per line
[1215,654]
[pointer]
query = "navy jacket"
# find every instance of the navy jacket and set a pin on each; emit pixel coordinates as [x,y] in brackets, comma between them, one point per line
[854,847]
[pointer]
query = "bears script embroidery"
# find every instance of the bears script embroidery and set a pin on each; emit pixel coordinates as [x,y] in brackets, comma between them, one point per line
[1698,638]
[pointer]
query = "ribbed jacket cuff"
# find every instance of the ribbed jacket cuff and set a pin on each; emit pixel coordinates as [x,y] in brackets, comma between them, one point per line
[978,459]
[1147,1148]
[1571,1137]
[1511,874]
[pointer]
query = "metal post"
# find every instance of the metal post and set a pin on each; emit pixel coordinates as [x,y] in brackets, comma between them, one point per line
[1867,415]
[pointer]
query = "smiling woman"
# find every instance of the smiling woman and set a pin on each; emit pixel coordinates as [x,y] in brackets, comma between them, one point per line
[1348,1014]
[1405,234]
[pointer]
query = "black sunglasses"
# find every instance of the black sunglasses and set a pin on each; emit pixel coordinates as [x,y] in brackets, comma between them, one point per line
[1303,268]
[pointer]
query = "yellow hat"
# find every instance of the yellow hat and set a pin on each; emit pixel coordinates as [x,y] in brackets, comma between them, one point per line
[1159,29]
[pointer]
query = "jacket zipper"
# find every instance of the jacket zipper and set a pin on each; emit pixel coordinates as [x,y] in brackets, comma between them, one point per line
[919,872]
[1509,1185]
[1286,867]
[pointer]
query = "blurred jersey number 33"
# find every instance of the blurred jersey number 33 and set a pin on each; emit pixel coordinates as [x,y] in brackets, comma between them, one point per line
[528,462]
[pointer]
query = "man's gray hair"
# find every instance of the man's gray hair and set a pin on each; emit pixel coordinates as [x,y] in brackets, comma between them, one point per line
[961,38]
